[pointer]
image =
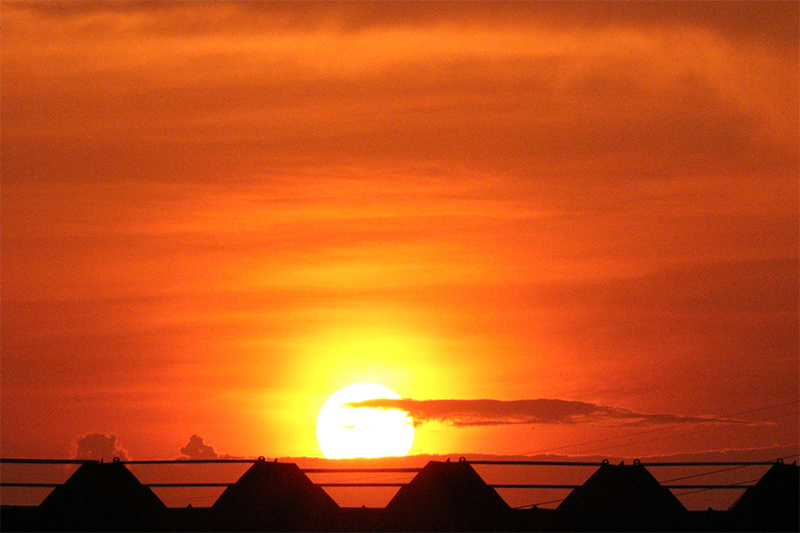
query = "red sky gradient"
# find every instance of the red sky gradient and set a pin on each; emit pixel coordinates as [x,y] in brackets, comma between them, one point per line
[215,215]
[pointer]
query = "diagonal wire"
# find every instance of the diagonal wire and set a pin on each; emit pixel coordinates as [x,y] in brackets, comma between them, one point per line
[679,434]
[531,505]
[655,430]
[703,490]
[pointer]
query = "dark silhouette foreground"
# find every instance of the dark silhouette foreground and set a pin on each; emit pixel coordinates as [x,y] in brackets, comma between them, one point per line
[101,496]
[622,497]
[275,495]
[771,504]
[444,496]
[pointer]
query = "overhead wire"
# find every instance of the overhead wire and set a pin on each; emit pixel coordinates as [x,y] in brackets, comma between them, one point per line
[722,470]
[663,428]
[373,476]
[681,434]
[737,467]
[706,489]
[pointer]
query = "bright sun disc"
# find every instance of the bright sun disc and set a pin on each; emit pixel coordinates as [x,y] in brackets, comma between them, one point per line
[345,432]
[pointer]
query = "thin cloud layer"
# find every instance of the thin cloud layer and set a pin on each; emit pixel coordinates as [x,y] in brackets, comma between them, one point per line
[539,411]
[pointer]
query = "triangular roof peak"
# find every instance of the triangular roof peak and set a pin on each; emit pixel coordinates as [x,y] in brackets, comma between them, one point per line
[276,495]
[103,486]
[773,502]
[446,495]
[623,494]
[101,496]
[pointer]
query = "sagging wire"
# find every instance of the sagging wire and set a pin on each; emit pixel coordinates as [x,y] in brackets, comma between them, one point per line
[665,428]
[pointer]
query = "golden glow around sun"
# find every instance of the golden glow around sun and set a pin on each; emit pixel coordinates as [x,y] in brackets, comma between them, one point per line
[345,432]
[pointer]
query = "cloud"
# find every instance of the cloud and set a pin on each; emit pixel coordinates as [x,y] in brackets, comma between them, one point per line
[99,446]
[539,411]
[197,450]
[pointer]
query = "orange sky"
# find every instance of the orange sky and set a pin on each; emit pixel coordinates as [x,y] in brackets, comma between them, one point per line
[215,215]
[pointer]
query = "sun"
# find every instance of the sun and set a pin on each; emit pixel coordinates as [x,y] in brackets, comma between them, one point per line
[345,432]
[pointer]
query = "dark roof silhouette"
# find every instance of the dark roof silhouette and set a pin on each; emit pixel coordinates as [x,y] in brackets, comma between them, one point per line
[102,496]
[446,496]
[772,504]
[274,496]
[622,497]
[442,497]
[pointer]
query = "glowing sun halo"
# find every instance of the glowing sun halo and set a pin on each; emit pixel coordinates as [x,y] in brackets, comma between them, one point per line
[363,432]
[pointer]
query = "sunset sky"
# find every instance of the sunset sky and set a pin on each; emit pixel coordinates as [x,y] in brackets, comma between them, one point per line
[546,226]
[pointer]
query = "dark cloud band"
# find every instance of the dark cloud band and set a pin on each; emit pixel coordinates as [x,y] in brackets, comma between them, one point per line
[539,411]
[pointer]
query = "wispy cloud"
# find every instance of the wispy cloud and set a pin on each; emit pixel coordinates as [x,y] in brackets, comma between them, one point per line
[485,412]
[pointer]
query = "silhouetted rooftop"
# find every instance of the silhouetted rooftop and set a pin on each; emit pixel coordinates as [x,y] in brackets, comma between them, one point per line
[272,496]
[446,496]
[443,496]
[622,497]
[102,496]
[773,502]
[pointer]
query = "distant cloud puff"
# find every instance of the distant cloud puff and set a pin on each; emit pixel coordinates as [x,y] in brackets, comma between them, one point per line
[99,446]
[196,449]
[540,411]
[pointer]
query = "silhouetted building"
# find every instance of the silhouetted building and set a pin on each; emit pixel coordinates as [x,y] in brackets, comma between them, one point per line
[622,498]
[274,496]
[446,496]
[772,504]
[443,496]
[102,497]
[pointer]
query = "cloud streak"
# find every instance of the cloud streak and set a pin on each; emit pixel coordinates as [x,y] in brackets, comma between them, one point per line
[485,412]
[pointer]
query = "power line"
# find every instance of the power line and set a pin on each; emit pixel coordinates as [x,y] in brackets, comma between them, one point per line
[679,434]
[378,470]
[532,505]
[664,428]
[735,465]
[739,466]
[705,488]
